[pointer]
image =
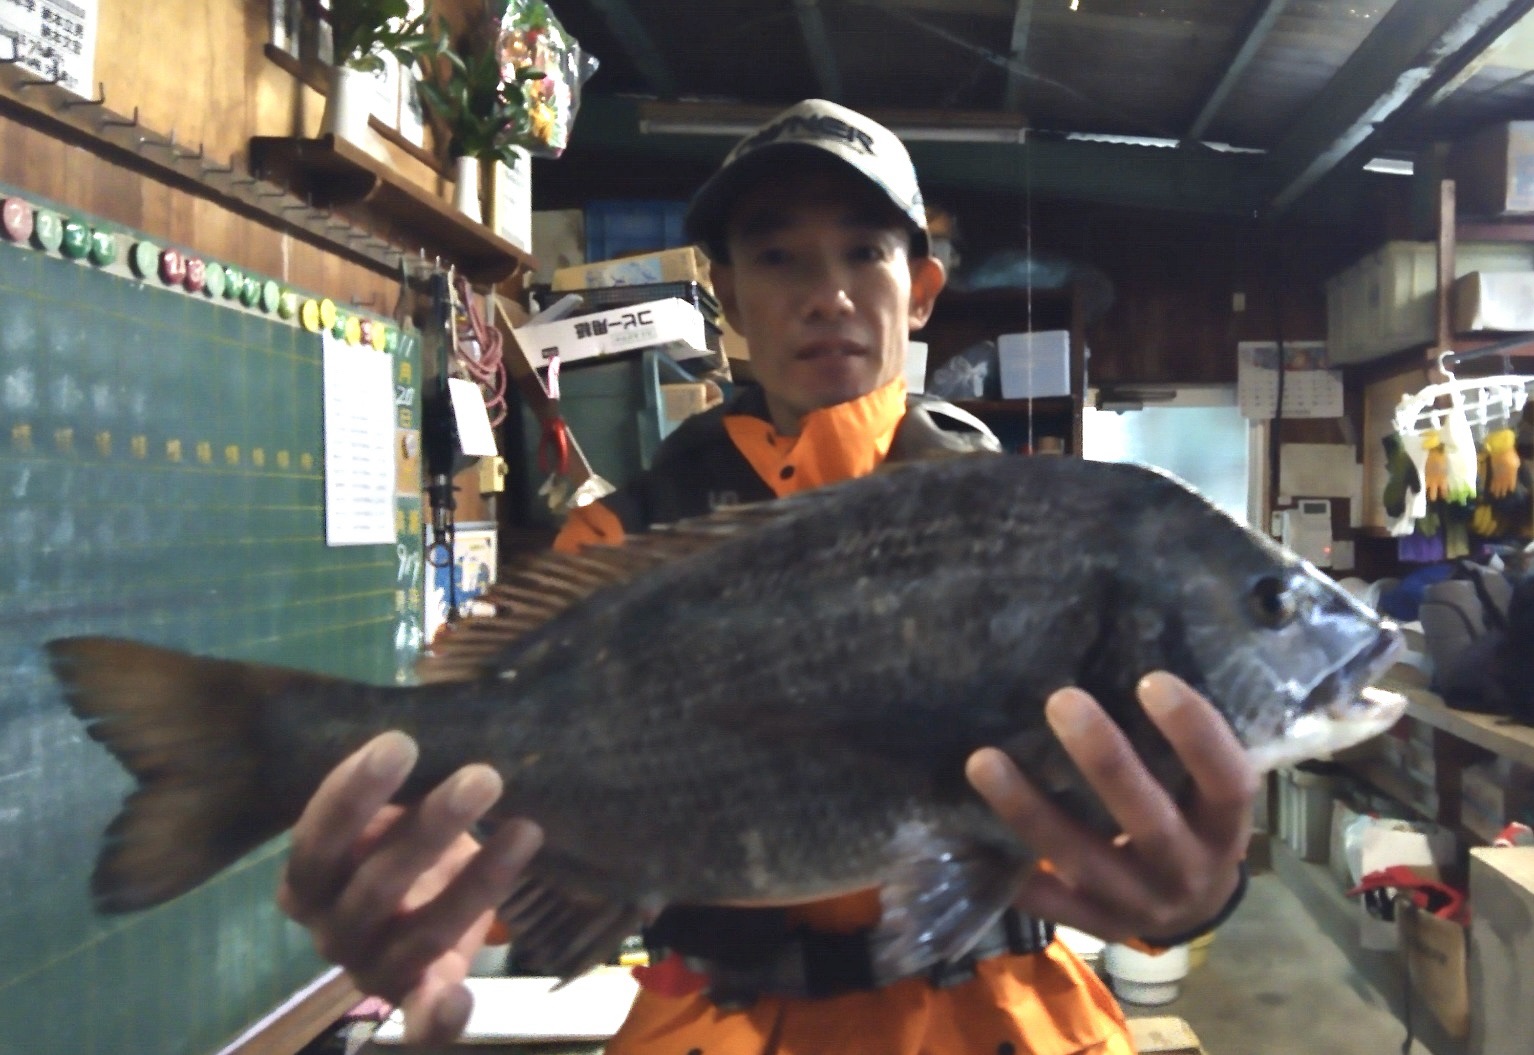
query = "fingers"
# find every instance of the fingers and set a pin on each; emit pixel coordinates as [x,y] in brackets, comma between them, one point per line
[437,1012]
[411,864]
[337,817]
[463,906]
[1225,780]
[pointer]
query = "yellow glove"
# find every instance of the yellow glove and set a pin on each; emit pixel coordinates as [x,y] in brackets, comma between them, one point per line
[1435,473]
[1503,462]
[1484,522]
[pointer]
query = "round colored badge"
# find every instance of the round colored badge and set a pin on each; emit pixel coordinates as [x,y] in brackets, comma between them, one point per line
[287,304]
[196,274]
[365,327]
[338,328]
[328,313]
[172,267]
[213,279]
[352,330]
[144,259]
[250,291]
[16,219]
[234,282]
[310,316]
[48,230]
[380,337]
[77,240]
[104,247]
[391,339]
[271,295]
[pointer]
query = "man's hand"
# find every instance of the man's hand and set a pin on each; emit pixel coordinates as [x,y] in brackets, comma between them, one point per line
[402,898]
[1172,869]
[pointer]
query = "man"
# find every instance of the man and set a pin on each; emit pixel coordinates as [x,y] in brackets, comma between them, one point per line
[817,233]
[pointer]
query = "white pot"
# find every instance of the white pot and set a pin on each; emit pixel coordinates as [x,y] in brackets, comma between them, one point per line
[1139,978]
[466,188]
[349,105]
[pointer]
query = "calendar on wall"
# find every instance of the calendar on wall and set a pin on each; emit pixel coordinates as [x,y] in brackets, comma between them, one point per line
[55,39]
[1310,389]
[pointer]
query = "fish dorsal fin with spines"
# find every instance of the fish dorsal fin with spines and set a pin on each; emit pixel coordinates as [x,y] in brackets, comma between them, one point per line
[548,584]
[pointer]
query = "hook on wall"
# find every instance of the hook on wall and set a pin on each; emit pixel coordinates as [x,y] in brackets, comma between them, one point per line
[100,100]
[117,122]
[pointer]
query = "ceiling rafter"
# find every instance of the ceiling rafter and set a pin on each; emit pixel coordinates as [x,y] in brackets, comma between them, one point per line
[1417,46]
[640,46]
[812,24]
[1257,31]
[1022,22]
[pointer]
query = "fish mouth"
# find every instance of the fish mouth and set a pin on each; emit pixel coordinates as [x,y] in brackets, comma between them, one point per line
[1343,709]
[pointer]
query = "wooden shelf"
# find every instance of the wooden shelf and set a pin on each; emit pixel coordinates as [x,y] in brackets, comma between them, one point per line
[1496,734]
[1046,406]
[329,171]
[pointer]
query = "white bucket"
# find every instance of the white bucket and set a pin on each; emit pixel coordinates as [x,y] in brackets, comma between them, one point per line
[1139,978]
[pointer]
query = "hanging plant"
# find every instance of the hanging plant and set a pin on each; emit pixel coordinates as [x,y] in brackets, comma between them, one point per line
[482,102]
[366,30]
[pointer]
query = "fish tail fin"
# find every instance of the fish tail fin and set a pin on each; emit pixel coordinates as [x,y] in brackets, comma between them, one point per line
[189,729]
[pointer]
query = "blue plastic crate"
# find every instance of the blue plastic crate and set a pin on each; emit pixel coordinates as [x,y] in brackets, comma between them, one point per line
[625,227]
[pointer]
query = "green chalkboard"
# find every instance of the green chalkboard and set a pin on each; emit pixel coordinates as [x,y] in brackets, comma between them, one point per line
[161,461]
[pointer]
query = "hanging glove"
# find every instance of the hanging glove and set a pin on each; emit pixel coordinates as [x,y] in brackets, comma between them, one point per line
[1401,476]
[1502,462]
[1459,448]
[1435,470]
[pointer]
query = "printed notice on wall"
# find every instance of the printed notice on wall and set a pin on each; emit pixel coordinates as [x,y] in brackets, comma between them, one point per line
[55,39]
[359,445]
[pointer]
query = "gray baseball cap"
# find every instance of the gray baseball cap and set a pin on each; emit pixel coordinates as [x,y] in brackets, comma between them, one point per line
[866,146]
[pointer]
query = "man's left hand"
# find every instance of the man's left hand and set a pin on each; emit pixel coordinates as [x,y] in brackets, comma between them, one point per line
[1173,868]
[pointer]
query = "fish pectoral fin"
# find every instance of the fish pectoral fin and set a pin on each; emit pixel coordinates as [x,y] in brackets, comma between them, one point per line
[943,894]
[562,933]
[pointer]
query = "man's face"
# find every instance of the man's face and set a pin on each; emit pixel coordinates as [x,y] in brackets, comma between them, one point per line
[822,286]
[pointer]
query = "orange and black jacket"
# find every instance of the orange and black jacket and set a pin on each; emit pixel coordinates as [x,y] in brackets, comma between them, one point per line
[1044,1003]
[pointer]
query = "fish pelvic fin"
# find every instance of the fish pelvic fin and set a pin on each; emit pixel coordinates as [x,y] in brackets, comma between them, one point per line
[560,933]
[943,893]
[188,728]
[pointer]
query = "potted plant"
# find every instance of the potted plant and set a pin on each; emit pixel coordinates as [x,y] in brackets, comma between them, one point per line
[481,102]
[363,32]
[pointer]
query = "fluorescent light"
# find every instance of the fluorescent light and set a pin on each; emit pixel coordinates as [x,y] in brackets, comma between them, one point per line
[1391,166]
[909,133]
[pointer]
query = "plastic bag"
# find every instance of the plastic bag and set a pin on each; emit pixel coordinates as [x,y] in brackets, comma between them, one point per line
[972,374]
[533,37]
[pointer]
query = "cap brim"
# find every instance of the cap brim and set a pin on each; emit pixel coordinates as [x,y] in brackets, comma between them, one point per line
[709,210]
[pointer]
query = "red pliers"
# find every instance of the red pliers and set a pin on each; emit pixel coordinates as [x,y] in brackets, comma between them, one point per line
[554,444]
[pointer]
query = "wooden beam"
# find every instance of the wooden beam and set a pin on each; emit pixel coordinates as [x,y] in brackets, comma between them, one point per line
[1022,22]
[636,40]
[1416,46]
[293,1025]
[1256,32]
[813,25]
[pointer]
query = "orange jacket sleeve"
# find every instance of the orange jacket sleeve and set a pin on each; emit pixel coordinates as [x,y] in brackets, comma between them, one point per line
[589,525]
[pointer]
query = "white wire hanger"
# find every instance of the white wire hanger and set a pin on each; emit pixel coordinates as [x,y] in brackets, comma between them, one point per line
[1484,401]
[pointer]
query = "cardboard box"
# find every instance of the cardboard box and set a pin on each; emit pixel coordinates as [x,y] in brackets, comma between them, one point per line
[1425,848]
[1035,365]
[684,399]
[1164,1035]
[509,199]
[1494,300]
[687,264]
[1501,950]
[1437,962]
[559,241]
[1493,170]
[671,323]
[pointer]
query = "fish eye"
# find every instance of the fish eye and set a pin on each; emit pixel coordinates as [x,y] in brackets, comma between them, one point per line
[1270,602]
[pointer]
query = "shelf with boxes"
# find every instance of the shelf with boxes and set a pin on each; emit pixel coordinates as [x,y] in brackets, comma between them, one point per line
[1040,359]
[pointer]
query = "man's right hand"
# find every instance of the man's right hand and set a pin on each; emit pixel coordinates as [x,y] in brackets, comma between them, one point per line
[402,897]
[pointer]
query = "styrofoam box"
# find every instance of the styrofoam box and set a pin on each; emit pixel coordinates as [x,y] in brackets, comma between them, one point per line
[1035,365]
[1387,301]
